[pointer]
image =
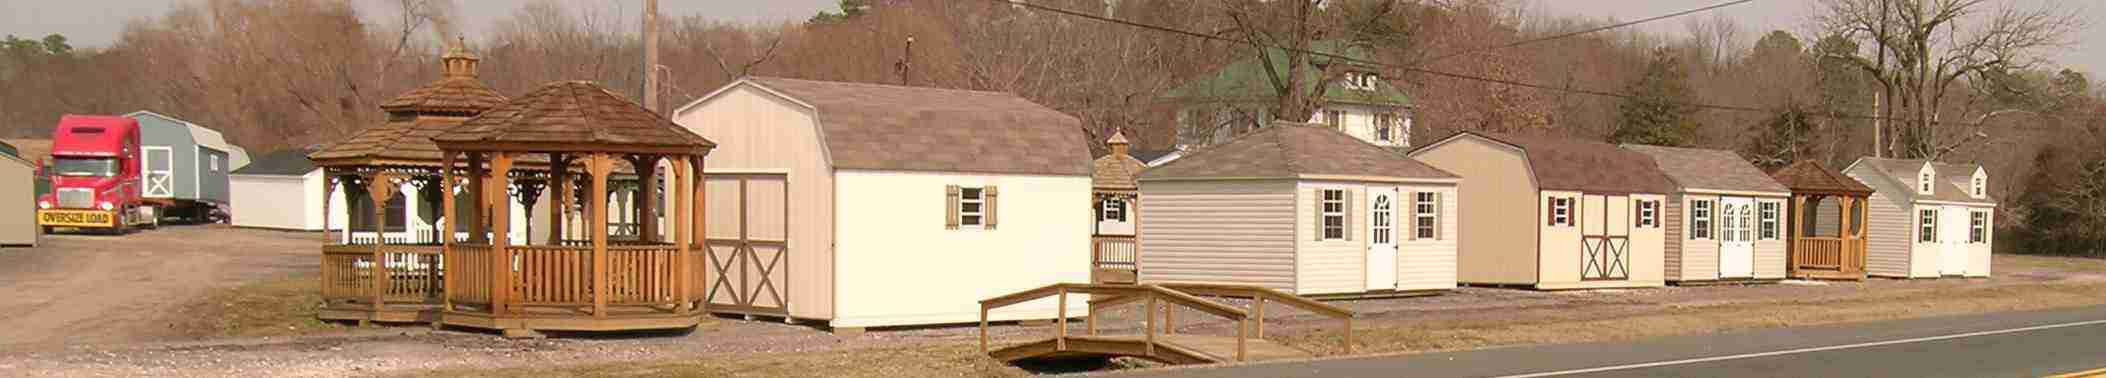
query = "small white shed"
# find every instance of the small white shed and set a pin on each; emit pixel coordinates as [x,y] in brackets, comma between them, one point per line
[1928,219]
[1303,209]
[866,205]
[282,191]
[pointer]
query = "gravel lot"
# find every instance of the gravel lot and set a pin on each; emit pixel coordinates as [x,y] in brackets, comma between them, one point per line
[98,306]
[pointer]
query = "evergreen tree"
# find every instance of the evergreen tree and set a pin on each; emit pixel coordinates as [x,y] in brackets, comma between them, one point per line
[1658,111]
[1782,139]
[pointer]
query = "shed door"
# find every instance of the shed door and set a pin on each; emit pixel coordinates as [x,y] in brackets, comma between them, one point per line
[748,260]
[1736,242]
[1952,241]
[1382,239]
[158,178]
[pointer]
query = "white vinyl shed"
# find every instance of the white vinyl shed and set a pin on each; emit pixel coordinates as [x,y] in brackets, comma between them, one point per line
[281,191]
[1927,219]
[866,205]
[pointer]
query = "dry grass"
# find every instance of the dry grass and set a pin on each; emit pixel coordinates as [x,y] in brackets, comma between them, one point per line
[948,360]
[283,306]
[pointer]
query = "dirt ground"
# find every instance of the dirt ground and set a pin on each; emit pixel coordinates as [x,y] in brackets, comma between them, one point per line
[94,289]
[104,306]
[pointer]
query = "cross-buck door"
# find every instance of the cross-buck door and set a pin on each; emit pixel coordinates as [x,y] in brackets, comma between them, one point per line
[747,265]
[1382,238]
[158,178]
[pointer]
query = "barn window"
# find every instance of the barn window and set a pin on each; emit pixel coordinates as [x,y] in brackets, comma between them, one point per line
[1769,220]
[1978,227]
[1560,211]
[1926,226]
[1334,211]
[1114,211]
[971,206]
[1649,214]
[1699,219]
[1427,210]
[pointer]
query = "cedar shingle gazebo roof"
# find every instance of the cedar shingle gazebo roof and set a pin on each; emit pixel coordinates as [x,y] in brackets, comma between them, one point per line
[452,94]
[1812,176]
[573,116]
[416,116]
[1115,171]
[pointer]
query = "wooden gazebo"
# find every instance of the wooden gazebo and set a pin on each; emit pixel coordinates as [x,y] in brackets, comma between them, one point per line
[370,272]
[1114,204]
[1827,222]
[591,285]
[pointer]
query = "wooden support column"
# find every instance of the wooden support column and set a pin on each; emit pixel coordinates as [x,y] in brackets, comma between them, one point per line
[1258,306]
[701,224]
[683,220]
[559,205]
[501,223]
[600,165]
[446,230]
[1148,325]
[381,188]
[478,228]
[1060,335]
[328,193]
[647,199]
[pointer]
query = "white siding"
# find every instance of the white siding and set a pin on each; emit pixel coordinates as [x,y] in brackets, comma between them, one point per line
[1979,255]
[1428,264]
[1237,232]
[1925,257]
[1359,121]
[900,266]
[275,202]
[1890,230]
[1330,266]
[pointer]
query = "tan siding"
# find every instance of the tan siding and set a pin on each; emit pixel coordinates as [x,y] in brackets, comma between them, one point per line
[1672,226]
[1330,266]
[16,199]
[1424,264]
[1238,232]
[1770,255]
[1496,238]
[1562,251]
[1888,232]
[1700,257]
[756,131]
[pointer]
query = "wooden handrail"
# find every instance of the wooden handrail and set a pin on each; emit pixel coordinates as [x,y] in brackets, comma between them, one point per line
[1180,294]
[1241,291]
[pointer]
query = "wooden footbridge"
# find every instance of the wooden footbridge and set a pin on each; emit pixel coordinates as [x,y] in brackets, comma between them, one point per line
[1158,340]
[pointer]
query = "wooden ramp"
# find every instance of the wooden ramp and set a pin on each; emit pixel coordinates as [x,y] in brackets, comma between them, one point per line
[1157,342]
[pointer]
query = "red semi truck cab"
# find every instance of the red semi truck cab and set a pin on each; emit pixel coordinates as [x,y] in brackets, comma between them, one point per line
[94,170]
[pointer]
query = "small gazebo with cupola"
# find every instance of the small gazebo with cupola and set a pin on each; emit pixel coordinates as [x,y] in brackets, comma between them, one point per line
[379,264]
[596,284]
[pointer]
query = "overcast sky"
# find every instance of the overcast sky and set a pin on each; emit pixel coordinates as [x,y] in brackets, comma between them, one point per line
[97,22]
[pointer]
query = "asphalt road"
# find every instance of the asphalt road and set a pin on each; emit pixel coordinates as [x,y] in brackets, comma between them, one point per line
[2027,344]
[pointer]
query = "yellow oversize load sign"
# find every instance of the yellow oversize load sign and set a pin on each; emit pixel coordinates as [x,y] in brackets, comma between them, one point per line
[76,218]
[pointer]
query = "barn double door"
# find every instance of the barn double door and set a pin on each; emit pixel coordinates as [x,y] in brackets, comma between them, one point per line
[747,262]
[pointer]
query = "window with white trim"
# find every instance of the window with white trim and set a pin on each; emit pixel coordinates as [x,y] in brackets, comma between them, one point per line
[1114,211]
[1770,227]
[1700,219]
[1978,227]
[1427,210]
[971,206]
[1926,226]
[1649,214]
[1560,211]
[215,163]
[1334,213]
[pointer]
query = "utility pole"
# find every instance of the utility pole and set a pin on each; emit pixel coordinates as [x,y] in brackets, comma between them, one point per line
[650,56]
[906,63]
[1880,110]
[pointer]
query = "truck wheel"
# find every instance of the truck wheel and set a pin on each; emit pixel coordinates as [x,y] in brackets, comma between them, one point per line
[47,230]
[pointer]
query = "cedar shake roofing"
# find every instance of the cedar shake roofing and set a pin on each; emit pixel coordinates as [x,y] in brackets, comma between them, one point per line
[1115,170]
[1292,150]
[888,127]
[399,141]
[1954,178]
[450,95]
[1708,169]
[1562,163]
[1813,177]
[573,113]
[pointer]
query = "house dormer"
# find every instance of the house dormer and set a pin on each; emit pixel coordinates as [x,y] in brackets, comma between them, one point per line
[1978,186]
[1926,180]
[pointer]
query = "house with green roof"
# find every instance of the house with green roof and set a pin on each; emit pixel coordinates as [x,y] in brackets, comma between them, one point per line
[1238,97]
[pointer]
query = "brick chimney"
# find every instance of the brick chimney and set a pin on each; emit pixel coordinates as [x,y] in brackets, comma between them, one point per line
[458,61]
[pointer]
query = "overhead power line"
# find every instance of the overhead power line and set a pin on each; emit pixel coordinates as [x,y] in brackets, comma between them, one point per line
[1586,31]
[1411,68]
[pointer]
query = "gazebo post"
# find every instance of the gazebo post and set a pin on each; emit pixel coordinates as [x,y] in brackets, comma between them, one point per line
[379,188]
[559,202]
[600,164]
[701,232]
[477,229]
[501,237]
[450,222]
[683,219]
[646,201]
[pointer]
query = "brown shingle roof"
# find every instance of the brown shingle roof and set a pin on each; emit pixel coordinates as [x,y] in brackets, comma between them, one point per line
[573,114]
[1116,170]
[1562,163]
[873,126]
[454,94]
[1291,150]
[398,141]
[1708,169]
[1812,176]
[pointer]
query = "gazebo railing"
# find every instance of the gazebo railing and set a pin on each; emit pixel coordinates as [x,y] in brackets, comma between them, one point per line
[468,270]
[564,277]
[350,274]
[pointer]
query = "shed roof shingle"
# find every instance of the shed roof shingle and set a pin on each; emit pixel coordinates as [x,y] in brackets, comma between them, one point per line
[889,127]
[1290,150]
[1953,178]
[1708,169]
[1563,163]
[288,162]
[572,112]
[1812,176]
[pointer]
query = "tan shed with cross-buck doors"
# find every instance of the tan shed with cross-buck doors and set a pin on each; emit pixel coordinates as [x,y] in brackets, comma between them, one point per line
[1303,209]
[866,205]
[1725,220]
[1554,212]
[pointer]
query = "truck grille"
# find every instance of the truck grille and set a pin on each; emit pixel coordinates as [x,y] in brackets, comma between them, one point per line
[76,198]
